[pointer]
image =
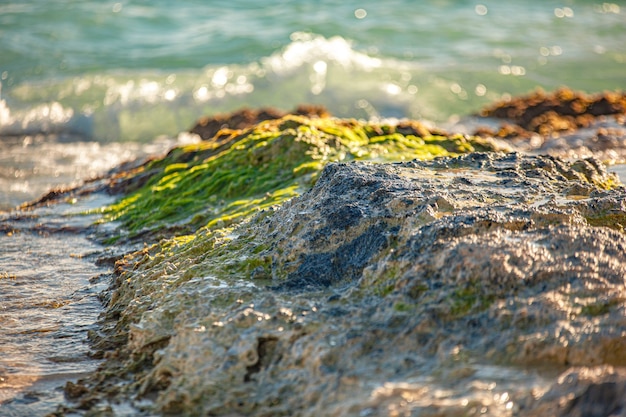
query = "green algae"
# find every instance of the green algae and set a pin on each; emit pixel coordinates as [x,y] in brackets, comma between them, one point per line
[217,183]
[594,310]
[401,307]
[600,308]
[616,221]
[470,298]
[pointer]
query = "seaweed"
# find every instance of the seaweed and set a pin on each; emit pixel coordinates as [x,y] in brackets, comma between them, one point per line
[237,173]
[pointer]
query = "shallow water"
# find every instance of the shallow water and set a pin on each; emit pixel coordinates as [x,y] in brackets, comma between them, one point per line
[31,165]
[620,170]
[49,286]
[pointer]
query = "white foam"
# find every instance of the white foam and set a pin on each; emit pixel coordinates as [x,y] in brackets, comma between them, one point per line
[46,117]
[139,105]
[311,49]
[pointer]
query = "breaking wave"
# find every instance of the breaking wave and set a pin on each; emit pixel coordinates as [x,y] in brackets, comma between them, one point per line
[141,105]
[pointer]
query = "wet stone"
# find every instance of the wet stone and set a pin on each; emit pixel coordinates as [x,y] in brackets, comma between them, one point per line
[345,264]
[487,283]
[602,399]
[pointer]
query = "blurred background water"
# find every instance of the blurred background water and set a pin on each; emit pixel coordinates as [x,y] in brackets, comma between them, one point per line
[79,77]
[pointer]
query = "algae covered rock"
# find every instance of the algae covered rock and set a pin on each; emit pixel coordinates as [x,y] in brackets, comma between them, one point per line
[238,172]
[455,286]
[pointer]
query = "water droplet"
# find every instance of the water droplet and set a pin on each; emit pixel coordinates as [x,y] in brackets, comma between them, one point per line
[360,13]
[481,9]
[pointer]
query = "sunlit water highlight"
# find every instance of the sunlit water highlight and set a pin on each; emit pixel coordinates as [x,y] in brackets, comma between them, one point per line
[49,286]
[131,71]
[31,165]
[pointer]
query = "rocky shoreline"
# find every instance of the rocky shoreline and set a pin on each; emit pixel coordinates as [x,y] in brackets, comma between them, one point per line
[302,265]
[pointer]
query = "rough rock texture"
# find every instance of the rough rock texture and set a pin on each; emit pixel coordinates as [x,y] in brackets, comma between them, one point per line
[458,286]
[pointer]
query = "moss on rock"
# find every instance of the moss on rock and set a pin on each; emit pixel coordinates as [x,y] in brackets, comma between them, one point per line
[379,275]
[303,275]
[238,173]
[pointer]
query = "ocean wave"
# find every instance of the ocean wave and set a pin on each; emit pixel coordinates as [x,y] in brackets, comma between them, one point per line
[140,105]
[45,118]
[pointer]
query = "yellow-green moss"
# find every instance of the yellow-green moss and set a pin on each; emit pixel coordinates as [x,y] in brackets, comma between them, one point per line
[219,182]
[600,308]
[615,221]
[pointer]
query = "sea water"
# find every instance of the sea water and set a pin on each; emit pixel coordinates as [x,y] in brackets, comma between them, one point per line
[49,300]
[86,84]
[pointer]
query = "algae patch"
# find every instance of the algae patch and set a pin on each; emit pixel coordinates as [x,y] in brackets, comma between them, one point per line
[238,173]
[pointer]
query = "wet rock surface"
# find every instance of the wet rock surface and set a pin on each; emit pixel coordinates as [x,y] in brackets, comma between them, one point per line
[562,110]
[562,123]
[486,284]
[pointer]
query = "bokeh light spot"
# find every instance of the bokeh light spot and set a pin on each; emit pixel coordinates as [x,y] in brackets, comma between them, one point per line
[481,9]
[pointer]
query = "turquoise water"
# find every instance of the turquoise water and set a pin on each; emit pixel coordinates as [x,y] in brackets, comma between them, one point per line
[132,70]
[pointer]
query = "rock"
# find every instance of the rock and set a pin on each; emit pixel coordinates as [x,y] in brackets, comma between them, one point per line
[208,127]
[460,285]
[222,180]
[564,123]
[589,392]
[73,390]
[563,110]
